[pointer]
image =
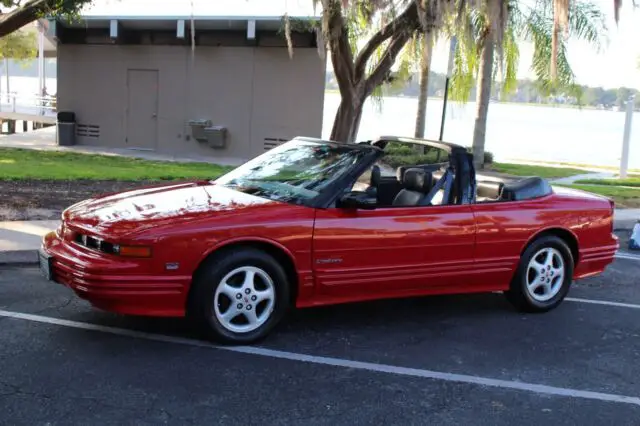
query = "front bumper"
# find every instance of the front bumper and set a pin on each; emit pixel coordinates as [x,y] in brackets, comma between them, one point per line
[122,286]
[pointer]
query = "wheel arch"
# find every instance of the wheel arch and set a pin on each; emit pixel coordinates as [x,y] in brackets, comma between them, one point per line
[280,253]
[564,234]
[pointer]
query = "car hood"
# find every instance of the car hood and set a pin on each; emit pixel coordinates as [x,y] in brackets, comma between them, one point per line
[128,212]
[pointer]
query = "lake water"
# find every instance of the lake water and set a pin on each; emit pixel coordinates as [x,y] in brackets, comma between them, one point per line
[513,131]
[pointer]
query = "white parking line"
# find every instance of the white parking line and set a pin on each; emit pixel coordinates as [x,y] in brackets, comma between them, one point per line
[627,256]
[603,302]
[337,362]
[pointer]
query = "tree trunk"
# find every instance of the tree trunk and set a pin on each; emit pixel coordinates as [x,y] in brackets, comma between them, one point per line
[354,82]
[425,68]
[483,96]
[355,126]
[347,121]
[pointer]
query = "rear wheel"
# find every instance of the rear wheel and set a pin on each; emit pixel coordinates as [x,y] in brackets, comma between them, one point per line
[240,296]
[543,277]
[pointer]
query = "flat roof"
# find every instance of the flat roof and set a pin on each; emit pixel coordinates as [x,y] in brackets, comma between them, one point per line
[202,22]
[198,8]
[207,14]
[203,15]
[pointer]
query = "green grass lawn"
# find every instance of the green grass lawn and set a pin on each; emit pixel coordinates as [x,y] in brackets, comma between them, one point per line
[18,164]
[542,171]
[624,197]
[589,166]
[635,182]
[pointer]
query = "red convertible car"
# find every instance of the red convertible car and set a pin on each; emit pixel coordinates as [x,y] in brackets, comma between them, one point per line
[313,222]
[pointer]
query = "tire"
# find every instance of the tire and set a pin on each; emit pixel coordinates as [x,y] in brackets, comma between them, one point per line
[535,288]
[245,309]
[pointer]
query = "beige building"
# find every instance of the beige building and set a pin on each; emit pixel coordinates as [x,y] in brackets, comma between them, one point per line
[137,83]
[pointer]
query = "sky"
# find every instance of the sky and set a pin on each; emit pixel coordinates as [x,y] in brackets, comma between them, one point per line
[615,66]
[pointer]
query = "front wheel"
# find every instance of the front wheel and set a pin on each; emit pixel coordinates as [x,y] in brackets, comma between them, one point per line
[240,296]
[543,277]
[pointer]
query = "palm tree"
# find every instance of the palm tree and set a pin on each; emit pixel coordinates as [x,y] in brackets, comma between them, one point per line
[482,54]
[423,94]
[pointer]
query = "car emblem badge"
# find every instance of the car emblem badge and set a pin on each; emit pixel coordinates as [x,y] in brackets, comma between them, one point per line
[172,266]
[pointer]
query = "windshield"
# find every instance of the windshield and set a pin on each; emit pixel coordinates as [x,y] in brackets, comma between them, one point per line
[294,172]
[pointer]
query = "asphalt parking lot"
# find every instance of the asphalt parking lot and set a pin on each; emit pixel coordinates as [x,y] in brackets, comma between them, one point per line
[463,360]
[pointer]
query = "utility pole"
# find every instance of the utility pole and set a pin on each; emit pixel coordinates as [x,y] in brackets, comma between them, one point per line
[452,52]
[626,138]
[41,81]
[6,65]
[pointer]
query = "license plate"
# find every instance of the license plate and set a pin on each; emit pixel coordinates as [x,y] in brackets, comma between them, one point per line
[45,264]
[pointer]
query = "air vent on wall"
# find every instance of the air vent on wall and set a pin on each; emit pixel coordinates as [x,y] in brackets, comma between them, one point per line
[270,143]
[88,130]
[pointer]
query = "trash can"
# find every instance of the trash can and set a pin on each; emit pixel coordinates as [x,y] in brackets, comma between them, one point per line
[66,128]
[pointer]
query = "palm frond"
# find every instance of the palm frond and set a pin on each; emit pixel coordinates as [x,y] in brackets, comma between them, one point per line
[467,53]
[587,23]
[550,61]
[465,69]
[517,19]
[511,61]
[542,57]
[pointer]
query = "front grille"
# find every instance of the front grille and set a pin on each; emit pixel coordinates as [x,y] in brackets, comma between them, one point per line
[95,243]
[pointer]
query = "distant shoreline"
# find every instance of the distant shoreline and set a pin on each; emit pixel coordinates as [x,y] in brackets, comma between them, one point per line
[568,106]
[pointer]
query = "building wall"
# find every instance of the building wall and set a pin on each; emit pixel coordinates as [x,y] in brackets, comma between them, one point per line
[257,93]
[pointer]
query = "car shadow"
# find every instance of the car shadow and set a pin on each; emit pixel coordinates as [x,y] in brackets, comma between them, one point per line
[396,312]
[357,316]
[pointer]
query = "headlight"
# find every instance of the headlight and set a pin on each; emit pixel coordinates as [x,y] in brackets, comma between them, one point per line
[112,248]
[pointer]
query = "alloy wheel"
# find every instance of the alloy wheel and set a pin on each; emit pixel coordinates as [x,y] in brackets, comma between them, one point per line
[545,274]
[244,299]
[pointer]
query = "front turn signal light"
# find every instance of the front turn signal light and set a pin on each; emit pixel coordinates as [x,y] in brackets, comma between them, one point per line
[132,251]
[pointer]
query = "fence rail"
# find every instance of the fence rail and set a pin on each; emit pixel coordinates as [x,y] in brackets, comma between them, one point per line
[31,105]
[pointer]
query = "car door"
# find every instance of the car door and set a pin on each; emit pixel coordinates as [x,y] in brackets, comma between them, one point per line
[391,251]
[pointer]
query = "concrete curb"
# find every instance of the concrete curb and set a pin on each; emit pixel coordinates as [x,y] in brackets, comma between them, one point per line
[19,257]
[625,224]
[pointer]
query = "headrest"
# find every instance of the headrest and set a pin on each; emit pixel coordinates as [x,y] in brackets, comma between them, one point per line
[375,176]
[417,180]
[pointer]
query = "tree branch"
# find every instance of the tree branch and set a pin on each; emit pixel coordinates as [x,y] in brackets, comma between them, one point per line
[29,12]
[379,74]
[405,21]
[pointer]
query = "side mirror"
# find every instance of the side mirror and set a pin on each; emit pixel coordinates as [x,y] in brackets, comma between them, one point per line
[357,200]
